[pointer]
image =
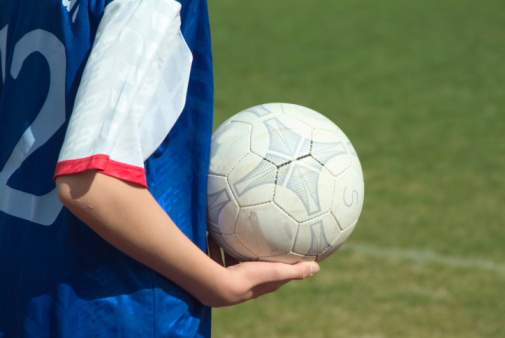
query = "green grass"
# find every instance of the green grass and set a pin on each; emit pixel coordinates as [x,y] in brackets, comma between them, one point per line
[419,88]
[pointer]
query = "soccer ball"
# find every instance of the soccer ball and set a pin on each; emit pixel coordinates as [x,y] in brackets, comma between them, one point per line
[285,184]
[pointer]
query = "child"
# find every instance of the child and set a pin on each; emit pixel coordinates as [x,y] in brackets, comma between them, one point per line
[124,89]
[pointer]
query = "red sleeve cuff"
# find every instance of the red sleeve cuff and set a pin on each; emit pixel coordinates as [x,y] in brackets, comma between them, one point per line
[105,165]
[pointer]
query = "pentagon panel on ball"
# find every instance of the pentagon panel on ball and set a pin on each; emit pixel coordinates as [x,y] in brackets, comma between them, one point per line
[285,184]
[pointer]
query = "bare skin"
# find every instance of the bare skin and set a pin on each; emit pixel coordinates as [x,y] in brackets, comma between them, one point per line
[127,216]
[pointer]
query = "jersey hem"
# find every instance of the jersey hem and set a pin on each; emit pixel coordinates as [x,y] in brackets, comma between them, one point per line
[104,165]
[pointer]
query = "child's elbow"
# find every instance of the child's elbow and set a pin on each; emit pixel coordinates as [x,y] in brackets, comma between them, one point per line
[72,188]
[63,189]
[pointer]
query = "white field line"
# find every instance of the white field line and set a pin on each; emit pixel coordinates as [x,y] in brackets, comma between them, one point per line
[427,256]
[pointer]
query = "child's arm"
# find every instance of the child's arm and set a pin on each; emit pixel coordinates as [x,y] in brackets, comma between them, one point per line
[128,217]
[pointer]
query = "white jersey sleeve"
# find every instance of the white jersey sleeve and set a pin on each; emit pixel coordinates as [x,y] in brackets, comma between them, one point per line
[132,91]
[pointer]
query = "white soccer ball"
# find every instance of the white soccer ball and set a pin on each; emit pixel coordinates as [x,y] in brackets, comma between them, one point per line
[285,184]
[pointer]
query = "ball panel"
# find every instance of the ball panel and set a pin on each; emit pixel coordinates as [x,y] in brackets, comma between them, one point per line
[337,244]
[289,258]
[222,209]
[354,155]
[309,117]
[316,235]
[222,126]
[258,113]
[304,189]
[266,230]
[329,149]
[355,159]
[252,180]
[281,138]
[349,193]
[228,146]
[232,247]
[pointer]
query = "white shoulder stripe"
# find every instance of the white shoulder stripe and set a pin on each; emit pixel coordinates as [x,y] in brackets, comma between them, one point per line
[134,85]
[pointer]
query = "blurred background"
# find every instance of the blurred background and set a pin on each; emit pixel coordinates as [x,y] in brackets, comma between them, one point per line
[418,87]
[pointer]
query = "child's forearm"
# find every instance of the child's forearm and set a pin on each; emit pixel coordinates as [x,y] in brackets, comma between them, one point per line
[128,217]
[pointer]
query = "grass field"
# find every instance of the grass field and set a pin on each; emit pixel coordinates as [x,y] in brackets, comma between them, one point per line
[419,88]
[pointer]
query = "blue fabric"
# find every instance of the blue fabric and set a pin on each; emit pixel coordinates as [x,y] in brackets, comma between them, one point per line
[61,279]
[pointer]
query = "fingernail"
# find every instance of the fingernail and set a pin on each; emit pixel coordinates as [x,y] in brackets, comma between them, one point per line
[314,268]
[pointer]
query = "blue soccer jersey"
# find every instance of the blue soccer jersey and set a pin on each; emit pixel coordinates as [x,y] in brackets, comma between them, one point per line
[123,87]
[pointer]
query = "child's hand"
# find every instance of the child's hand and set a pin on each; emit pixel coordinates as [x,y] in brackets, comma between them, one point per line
[249,280]
[253,279]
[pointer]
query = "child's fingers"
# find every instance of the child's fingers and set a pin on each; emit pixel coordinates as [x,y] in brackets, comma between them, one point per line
[302,270]
[282,274]
[266,277]
[286,272]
